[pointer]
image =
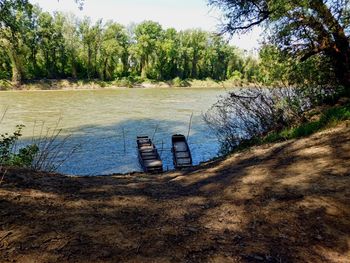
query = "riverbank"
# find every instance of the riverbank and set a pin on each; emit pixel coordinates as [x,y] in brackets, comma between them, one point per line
[282,202]
[69,84]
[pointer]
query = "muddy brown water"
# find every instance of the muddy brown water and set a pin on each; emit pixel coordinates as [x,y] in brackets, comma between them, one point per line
[99,121]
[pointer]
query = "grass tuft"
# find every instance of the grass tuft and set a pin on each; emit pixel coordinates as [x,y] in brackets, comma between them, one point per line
[328,119]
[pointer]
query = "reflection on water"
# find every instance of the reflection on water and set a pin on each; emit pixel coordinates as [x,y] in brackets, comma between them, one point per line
[96,121]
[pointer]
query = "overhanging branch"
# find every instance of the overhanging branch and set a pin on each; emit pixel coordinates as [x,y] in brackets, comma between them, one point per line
[231,28]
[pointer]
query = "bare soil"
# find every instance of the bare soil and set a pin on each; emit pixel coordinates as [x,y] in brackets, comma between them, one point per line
[285,202]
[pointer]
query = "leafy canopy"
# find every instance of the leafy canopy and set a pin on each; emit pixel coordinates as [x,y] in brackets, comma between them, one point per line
[302,27]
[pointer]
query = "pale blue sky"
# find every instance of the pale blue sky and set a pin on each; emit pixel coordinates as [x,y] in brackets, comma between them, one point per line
[180,14]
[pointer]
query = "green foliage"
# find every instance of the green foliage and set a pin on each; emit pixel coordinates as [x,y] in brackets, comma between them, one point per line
[5,84]
[15,18]
[279,68]
[38,45]
[329,118]
[177,82]
[35,44]
[8,155]
[147,35]
[248,113]
[113,48]
[274,65]
[314,32]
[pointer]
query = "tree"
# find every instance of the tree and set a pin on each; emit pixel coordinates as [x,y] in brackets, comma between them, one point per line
[4,65]
[217,57]
[192,52]
[113,49]
[278,67]
[91,38]
[303,28]
[52,44]
[147,35]
[72,44]
[235,63]
[168,55]
[14,20]
[37,44]
[274,66]
[198,43]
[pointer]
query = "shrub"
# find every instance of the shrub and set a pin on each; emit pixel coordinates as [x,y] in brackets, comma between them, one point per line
[8,154]
[329,118]
[5,84]
[54,148]
[178,82]
[47,152]
[252,112]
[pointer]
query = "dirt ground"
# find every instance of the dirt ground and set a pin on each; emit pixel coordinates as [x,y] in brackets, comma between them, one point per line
[286,202]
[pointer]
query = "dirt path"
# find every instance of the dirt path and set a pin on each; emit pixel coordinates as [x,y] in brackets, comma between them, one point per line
[287,202]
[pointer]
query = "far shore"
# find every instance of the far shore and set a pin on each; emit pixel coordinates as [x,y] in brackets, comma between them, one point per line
[69,84]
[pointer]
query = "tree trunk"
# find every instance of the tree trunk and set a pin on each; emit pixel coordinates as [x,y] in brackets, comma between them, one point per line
[194,68]
[144,63]
[104,71]
[341,58]
[125,64]
[16,75]
[34,60]
[89,63]
[339,50]
[343,75]
[74,69]
[16,69]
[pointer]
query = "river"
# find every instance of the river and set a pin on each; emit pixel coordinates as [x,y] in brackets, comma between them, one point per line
[103,124]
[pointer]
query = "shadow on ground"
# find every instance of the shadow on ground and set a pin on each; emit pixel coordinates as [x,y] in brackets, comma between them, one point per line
[287,202]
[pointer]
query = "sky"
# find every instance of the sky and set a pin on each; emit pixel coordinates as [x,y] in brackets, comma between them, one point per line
[180,14]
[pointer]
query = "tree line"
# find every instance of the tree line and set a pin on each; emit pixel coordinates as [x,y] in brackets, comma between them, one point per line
[302,47]
[36,44]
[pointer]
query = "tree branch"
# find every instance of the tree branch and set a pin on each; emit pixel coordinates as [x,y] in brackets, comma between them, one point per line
[231,28]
